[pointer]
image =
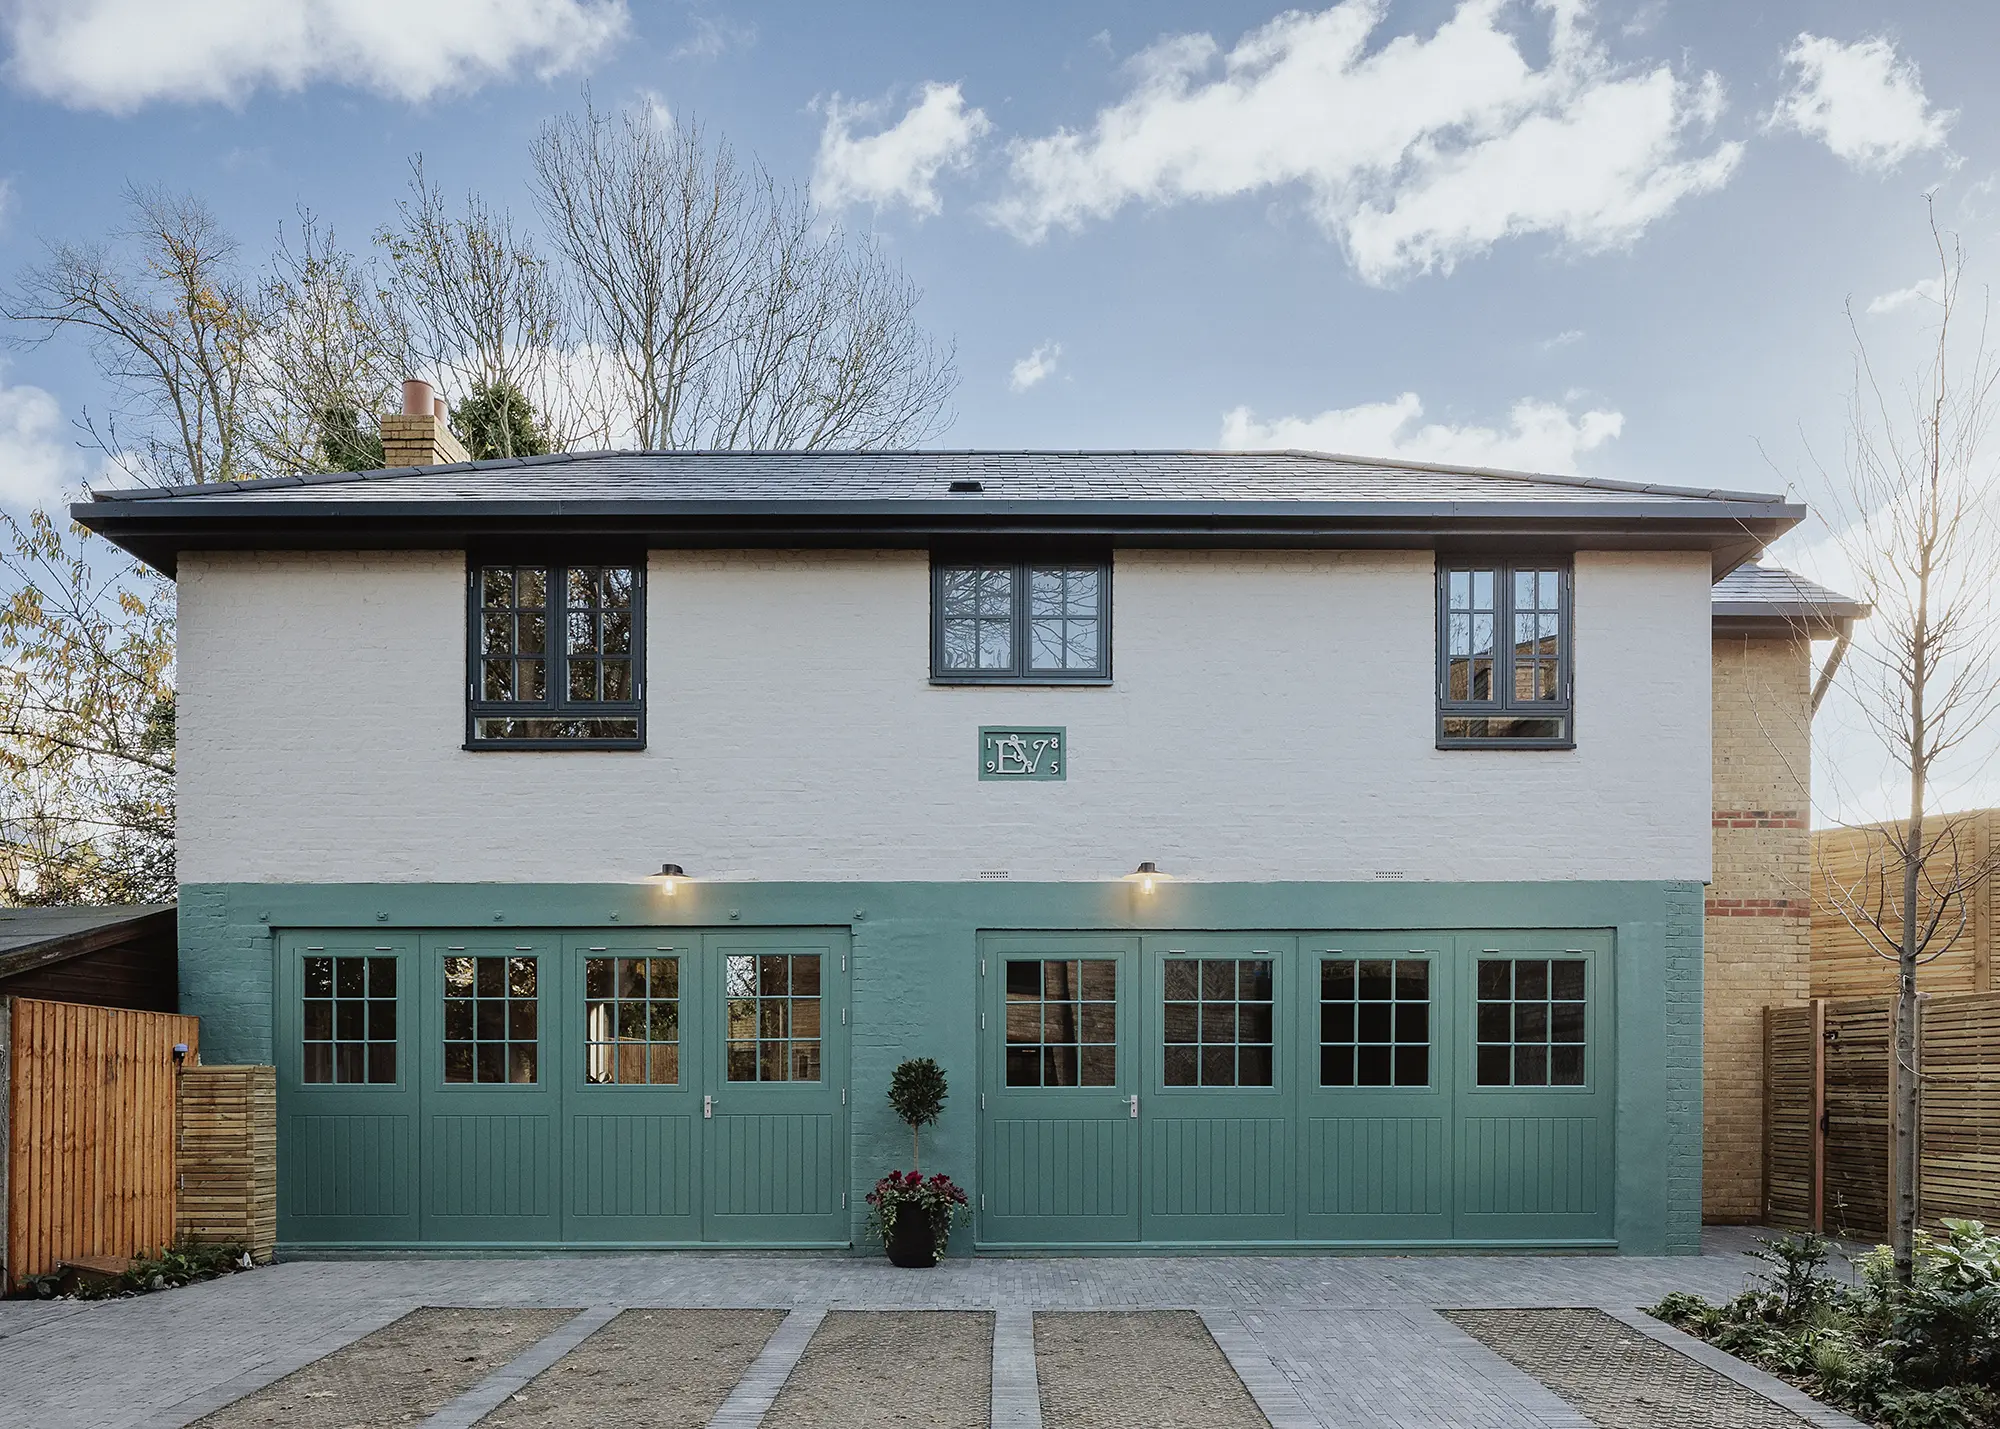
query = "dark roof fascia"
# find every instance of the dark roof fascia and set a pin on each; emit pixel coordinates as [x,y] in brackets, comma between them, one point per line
[157,530]
[1768,619]
[64,947]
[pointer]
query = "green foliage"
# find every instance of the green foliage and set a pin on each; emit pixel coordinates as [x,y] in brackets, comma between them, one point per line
[176,1266]
[917,1092]
[86,720]
[1921,1356]
[497,420]
[902,1193]
[346,445]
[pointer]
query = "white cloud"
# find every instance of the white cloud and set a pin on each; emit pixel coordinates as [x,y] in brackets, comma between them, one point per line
[1930,290]
[899,164]
[1561,339]
[1540,436]
[1037,365]
[39,465]
[1863,101]
[120,54]
[1416,153]
[711,39]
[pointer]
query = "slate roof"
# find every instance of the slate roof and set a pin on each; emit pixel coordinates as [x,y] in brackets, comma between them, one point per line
[1757,594]
[846,498]
[762,476]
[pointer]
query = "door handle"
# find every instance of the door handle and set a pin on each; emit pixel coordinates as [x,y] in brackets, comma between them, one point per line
[708,1108]
[1135,1105]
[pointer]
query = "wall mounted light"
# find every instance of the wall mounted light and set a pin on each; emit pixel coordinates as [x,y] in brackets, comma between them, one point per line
[672,875]
[1146,875]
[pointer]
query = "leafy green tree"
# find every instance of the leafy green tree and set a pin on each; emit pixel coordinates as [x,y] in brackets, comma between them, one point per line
[86,720]
[496,420]
[346,445]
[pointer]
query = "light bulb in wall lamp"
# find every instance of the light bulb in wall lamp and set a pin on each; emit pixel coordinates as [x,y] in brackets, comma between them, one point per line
[672,875]
[1147,875]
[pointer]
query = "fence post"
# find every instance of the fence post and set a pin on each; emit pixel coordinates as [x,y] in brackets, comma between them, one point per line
[1818,1191]
[6,1139]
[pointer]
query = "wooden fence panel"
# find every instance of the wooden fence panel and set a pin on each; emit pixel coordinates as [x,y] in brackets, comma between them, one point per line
[1961,1109]
[1843,964]
[91,1160]
[1791,1109]
[229,1158]
[1857,1117]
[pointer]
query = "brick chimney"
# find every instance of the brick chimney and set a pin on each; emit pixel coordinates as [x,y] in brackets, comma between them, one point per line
[418,435]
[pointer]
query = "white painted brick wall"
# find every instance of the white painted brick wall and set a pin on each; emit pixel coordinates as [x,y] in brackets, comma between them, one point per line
[1271,719]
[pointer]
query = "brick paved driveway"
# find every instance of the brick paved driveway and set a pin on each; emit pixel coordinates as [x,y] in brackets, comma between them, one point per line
[1318,1341]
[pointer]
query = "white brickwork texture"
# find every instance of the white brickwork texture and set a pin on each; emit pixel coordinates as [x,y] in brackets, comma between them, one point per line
[1271,719]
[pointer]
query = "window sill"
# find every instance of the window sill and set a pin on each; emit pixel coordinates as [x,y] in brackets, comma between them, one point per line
[1543,744]
[1053,682]
[534,746]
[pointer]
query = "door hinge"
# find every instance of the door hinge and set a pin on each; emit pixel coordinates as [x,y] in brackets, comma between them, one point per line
[982,1022]
[707,1108]
[843,1096]
[982,1200]
[843,962]
[843,1200]
[982,967]
[843,1017]
[982,1101]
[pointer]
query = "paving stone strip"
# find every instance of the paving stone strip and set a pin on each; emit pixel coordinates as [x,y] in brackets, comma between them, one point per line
[1017,1401]
[870,1368]
[404,1372]
[1108,1369]
[1618,1377]
[645,1369]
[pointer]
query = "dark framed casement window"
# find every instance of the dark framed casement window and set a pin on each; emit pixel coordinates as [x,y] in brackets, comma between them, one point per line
[1503,655]
[557,654]
[1020,622]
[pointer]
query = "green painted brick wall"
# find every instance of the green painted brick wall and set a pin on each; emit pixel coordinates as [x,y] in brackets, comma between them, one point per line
[915,979]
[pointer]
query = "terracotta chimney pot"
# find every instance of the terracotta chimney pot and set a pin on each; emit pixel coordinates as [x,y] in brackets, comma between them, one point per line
[417,399]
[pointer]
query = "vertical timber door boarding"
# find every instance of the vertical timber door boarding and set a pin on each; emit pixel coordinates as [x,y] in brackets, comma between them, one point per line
[631,1049]
[1377,1037]
[490,1014]
[1216,1113]
[1059,1081]
[346,1050]
[1536,1104]
[775,1113]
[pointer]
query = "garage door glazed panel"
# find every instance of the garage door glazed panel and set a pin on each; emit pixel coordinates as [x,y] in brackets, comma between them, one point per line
[1536,1096]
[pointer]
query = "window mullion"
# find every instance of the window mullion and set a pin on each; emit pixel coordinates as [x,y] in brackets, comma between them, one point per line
[1023,576]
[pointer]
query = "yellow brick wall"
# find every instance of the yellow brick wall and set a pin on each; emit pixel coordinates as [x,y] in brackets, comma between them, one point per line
[1759,924]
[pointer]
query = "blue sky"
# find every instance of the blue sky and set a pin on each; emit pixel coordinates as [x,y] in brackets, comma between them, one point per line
[1612,237]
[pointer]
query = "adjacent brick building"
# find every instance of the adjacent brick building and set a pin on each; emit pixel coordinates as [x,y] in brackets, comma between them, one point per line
[1758,931]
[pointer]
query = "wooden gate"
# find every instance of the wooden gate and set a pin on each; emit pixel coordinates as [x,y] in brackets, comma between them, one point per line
[1829,1093]
[90,1163]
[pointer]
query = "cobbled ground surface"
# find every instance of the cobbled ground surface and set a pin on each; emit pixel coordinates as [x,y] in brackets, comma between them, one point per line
[1159,1368]
[870,1368]
[404,1372]
[1616,1376]
[647,1369]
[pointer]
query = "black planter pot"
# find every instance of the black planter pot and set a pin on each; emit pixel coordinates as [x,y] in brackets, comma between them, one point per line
[913,1240]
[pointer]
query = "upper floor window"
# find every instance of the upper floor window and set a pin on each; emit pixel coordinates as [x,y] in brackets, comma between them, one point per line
[1504,654]
[557,656]
[1024,622]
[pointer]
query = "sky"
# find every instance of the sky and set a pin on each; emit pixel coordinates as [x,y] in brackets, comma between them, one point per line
[1620,238]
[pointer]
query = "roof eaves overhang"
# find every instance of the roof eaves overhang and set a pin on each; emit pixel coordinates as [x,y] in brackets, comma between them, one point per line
[157,530]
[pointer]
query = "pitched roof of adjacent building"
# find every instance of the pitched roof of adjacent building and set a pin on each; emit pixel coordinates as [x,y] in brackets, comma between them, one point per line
[37,937]
[913,498]
[1756,597]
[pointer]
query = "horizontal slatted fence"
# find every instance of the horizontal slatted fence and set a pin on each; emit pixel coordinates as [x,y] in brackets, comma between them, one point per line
[229,1158]
[1851,861]
[1961,1108]
[91,1158]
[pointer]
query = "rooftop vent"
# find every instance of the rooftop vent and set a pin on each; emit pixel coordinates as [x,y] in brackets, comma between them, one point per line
[967,486]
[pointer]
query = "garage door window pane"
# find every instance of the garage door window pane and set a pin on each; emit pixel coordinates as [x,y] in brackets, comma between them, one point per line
[1532,1022]
[1374,1022]
[632,1020]
[491,1004]
[1062,1022]
[1216,1022]
[773,1008]
[348,1019]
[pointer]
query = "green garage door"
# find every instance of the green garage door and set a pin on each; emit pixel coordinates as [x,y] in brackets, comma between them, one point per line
[562,1089]
[1273,1089]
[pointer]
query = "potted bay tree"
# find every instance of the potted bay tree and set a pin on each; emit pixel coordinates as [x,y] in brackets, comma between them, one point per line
[914,1213]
